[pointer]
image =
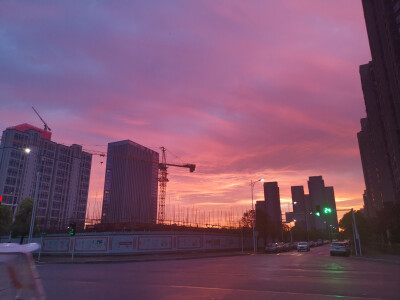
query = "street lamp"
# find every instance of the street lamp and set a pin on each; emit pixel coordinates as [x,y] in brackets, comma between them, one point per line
[35,200]
[252,183]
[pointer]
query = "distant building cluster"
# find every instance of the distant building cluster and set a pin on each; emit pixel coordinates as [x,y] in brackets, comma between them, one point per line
[305,206]
[379,138]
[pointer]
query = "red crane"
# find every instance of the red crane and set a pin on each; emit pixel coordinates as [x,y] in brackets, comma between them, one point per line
[163,179]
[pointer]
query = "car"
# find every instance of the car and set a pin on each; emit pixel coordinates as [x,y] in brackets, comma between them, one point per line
[320,242]
[287,247]
[303,246]
[340,248]
[281,246]
[273,248]
[295,245]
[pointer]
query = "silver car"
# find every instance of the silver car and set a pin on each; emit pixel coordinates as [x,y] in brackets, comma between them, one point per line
[303,246]
[340,248]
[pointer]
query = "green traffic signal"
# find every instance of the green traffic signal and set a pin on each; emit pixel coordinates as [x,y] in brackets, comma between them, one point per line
[318,210]
[327,210]
[71,229]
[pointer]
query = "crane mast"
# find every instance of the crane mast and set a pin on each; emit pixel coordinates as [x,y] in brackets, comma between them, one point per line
[163,186]
[163,179]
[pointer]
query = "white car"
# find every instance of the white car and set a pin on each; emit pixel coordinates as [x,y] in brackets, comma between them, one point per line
[340,248]
[303,246]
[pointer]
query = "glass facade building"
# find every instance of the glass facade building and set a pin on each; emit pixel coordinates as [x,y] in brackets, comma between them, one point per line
[131,184]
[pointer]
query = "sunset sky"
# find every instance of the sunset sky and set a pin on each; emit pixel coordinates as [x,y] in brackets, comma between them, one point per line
[242,89]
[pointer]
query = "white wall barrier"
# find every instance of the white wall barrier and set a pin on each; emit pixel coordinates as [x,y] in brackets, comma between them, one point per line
[139,243]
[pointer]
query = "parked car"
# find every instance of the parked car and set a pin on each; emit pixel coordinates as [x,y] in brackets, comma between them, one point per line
[295,245]
[303,246]
[273,248]
[320,242]
[340,248]
[287,247]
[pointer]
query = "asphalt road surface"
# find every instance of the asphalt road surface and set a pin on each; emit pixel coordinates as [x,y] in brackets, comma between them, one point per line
[291,275]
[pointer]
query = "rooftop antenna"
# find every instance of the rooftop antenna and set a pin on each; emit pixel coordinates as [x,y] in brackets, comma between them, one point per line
[46,127]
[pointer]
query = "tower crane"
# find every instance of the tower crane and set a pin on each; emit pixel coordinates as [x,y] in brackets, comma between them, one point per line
[163,179]
[46,127]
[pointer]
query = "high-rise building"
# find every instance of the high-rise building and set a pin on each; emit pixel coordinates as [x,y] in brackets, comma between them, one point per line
[316,188]
[322,197]
[331,218]
[299,207]
[260,205]
[63,173]
[273,206]
[131,184]
[260,211]
[379,140]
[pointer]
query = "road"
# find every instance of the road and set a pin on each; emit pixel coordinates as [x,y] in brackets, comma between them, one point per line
[291,275]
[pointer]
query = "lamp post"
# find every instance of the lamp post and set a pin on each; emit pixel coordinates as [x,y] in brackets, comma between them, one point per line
[252,183]
[18,189]
[35,200]
[33,217]
[27,151]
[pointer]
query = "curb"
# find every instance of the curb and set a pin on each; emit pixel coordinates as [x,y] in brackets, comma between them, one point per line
[381,260]
[146,259]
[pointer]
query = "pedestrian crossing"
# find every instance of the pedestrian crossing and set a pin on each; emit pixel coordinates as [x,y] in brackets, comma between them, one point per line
[291,253]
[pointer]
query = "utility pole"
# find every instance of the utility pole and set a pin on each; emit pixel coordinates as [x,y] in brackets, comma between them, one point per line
[357,242]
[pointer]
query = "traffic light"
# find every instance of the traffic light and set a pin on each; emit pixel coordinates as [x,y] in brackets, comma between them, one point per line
[1,199]
[327,210]
[318,210]
[71,229]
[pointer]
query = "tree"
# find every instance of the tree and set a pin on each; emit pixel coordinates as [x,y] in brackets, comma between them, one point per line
[5,219]
[23,219]
[363,226]
[388,224]
[298,233]
[247,218]
[285,232]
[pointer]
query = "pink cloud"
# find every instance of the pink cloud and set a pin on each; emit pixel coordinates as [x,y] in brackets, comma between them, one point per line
[241,89]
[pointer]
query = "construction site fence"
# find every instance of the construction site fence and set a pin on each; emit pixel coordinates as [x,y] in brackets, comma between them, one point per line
[139,243]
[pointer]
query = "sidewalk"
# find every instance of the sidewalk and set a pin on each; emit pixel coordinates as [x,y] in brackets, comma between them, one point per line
[95,259]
